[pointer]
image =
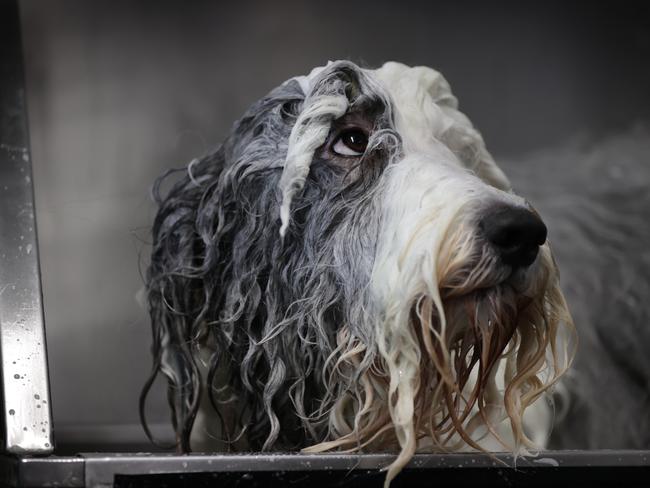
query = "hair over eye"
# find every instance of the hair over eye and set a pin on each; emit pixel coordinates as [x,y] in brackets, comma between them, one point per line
[350,143]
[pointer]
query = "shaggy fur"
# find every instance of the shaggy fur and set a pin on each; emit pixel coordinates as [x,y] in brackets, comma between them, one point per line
[325,302]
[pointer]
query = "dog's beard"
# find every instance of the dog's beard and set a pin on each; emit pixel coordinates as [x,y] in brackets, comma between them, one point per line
[454,361]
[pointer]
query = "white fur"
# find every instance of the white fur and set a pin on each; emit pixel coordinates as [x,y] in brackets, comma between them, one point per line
[426,110]
[309,133]
[445,171]
[434,190]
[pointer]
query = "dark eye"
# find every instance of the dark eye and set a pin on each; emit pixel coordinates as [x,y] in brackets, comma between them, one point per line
[350,142]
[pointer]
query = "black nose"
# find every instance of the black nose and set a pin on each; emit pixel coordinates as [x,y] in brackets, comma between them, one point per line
[515,232]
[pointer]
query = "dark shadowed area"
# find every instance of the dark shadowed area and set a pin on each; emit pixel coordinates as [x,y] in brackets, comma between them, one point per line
[120,91]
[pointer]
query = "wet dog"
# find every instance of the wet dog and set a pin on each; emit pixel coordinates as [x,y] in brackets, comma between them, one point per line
[350,270]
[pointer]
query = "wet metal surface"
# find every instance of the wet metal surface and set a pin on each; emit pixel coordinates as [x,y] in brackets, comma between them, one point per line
[101,469]
[26,418]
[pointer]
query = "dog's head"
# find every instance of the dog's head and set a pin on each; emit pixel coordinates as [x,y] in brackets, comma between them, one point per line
[360,271]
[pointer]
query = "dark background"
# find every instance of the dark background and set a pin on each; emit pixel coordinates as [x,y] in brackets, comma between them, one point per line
[119,91]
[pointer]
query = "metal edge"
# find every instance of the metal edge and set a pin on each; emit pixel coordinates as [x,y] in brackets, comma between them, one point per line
[30,472]
[101,468]
[26,412]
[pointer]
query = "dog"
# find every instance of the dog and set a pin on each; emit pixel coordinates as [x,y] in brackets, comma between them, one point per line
[350,270]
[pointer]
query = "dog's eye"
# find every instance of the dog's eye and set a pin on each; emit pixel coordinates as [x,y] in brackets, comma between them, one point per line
[350,143]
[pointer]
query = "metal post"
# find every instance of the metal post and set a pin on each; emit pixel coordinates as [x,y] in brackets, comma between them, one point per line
[26,414]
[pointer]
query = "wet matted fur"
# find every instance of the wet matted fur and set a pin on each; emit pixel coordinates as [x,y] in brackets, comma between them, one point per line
[350,301]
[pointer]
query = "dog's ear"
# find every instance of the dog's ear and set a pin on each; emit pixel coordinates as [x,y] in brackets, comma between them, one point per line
[197,232]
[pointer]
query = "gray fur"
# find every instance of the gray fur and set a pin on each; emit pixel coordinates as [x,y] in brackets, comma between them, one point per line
[221,277]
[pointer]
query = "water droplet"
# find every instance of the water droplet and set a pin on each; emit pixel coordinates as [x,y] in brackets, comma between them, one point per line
[17,376]
[25,429]
[37,396]
[38,406]
[47,444]
[12,412]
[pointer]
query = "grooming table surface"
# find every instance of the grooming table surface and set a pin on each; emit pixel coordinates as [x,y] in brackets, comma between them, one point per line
[589,468]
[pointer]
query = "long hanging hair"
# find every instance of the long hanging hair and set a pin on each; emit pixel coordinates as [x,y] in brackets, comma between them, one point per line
[278,287]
